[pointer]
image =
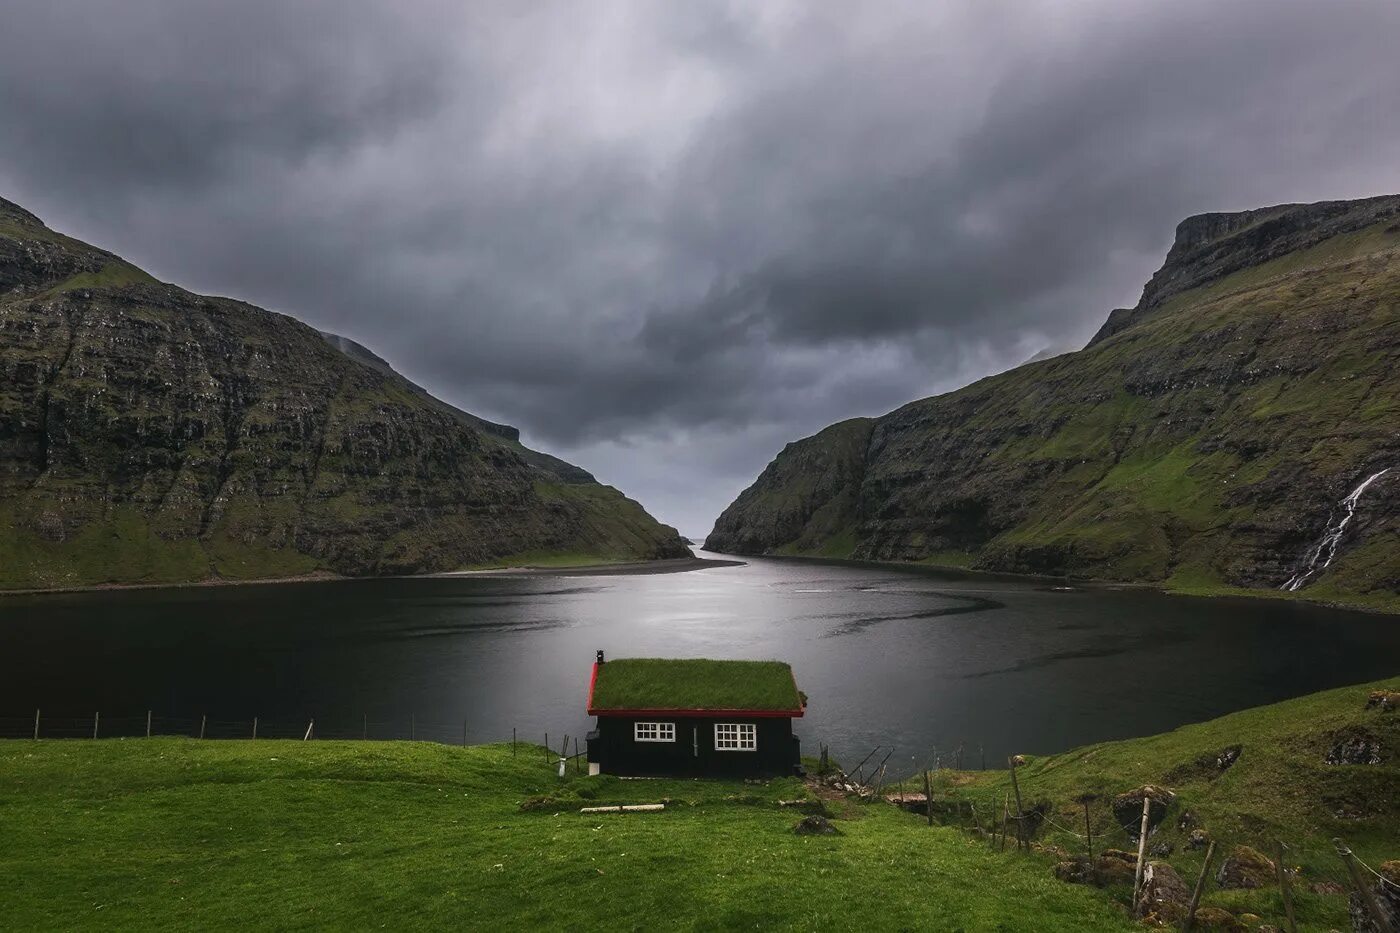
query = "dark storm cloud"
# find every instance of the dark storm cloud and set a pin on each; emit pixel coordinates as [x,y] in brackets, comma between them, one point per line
[667,238]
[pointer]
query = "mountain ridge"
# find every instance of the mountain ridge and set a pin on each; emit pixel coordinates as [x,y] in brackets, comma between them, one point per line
[149,434]
[1204,442]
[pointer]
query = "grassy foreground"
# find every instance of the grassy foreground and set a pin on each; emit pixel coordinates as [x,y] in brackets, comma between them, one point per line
[1279,789]
[158,834]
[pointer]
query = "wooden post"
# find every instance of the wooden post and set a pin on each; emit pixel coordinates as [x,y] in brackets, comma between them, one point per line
[36,725]
[202,719]
[1020,812]
[412,727]
[1142,849]
[464,733]
[148,724]
[959,756]
[364,726]
[94,725]
[928,797]
[512,741]
[1199,890]
[255,727]
[309,726]
[1367,896]
[546,748]
[1286,891]
[578,766]
[1005,815]
[982,753]
[1089,840]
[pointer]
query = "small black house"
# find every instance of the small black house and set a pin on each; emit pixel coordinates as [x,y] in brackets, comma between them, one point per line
[693,718]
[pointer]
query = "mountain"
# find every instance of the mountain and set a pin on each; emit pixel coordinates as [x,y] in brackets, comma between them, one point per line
[1235,428]
[148,434]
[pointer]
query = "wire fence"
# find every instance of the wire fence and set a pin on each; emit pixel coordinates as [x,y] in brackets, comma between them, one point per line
[102,726]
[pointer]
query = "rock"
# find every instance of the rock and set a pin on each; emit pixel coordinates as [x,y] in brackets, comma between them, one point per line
[1245,868]
[1214,918]
[1251,920]
[1209,766]
[815,826]
[1160,849]
[1327,887]
[1197,839]
[1127,808]
[1354,746]
[1164,894]
[1112,870]
[1387,701]
[1074,870]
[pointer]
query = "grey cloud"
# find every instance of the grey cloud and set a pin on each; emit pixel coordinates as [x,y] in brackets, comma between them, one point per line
[666,238]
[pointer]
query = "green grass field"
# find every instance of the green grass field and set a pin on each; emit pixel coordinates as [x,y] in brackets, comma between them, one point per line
[162,834]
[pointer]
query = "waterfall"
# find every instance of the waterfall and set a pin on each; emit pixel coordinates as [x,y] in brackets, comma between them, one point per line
[1326,547]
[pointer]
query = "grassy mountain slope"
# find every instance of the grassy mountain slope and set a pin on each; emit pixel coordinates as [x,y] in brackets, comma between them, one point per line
[1203,439]
[151,435]
[1279,788]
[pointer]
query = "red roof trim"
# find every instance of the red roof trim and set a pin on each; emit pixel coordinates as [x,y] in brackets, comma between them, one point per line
[592,682]
[701,713]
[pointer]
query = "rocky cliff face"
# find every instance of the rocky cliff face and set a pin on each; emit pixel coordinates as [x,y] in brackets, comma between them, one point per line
[148,434]
[1208,436]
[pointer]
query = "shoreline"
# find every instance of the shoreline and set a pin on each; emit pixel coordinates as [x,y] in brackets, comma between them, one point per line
[622,568]
[1221,591]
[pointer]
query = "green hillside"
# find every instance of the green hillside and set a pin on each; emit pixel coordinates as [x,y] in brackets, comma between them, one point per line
[151,435]
[1204,440]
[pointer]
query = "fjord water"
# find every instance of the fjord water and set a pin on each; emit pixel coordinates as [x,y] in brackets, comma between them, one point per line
[913,659]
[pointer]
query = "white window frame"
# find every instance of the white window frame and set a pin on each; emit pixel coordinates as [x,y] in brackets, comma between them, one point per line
[736,737]
[653,732]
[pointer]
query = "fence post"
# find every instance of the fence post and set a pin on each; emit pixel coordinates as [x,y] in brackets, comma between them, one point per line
[202,720]
[412,727]
[255,727]
[512,741]
[464,733]
[928,798]
[546,748]
[309,726]
[148,724]
[364,727]
[1005,815]
[1020,812]
[94,725]
[982,752]
[1142,848]
[1367,897]
[36,725]
[1286,891]
[1195,894]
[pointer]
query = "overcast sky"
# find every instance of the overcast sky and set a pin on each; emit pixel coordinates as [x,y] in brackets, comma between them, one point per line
[665,238]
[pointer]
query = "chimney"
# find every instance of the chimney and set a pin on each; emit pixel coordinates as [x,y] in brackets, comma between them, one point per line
[600,657]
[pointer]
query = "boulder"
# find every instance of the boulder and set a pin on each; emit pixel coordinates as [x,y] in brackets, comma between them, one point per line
[1197,839]
[1214,918]
[1387,701]
[1111,870]
[1245,868]
[1160,849]
[815,826]
[1164,894]
[1354,747]
[1127,808]
[1074,870]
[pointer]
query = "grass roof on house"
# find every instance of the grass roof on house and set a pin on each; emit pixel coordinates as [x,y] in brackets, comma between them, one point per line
[694,683]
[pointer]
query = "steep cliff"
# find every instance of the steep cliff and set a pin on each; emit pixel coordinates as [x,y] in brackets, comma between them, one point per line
[148,434]
[1209,436]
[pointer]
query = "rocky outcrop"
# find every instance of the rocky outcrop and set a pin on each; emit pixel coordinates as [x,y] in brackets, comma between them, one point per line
[1246,868]
[148,434]
[1210,438]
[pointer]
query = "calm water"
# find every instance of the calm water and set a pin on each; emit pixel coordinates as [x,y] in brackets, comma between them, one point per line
[912,659]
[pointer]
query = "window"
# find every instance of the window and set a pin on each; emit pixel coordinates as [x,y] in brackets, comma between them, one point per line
[735,737]
[654,732]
